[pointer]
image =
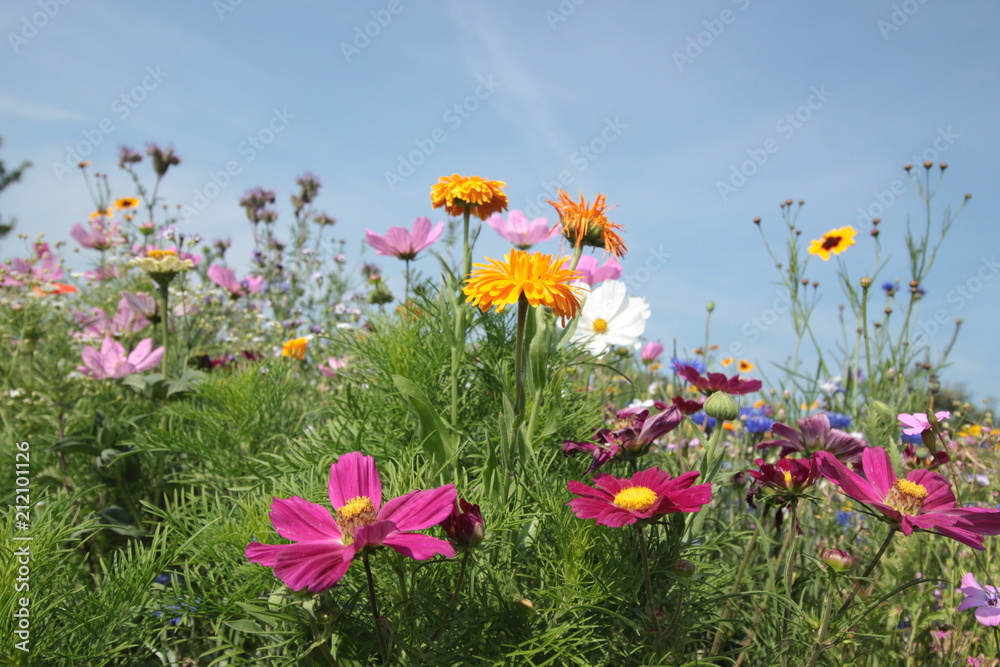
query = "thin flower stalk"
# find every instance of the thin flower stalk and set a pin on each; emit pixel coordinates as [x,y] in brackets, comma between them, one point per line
[374,604]
[868,570]
[650,608]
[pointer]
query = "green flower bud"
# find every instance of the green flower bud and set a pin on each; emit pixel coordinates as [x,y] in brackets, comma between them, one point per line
[838,559]
[722,406]
[684,569]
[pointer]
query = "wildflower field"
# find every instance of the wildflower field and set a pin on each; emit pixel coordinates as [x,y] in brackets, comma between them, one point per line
[282,459]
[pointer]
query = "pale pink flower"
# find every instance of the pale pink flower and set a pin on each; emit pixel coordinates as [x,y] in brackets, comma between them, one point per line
[100,235]
[112,362]
[402,243]
[224,277]
[918,423]
[332,366]
[519,231]
[594,272]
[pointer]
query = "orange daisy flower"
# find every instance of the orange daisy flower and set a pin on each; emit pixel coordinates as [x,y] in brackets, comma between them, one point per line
[586,224]
[834,241]
[531,276]
[483,197]
[295,348]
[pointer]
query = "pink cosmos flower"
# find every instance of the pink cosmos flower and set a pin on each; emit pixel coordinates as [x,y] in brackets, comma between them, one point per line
[984,599]
[44,267]
[225,278]
[332,366]
[112,362]
[594,272]
[519,231]
[650,352]
[922,501]
[402,243]
[324,545]
[101,234]
[647,495]
[918,423]
[97,324]
[632,433]
[101,273]
[714,382]
[814,434]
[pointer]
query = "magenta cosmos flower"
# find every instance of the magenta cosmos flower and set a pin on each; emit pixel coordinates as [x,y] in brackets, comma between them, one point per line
[402,243]
[324,544]
[714,382]
[647,495]
[631,433]
[918,422]
[226,279]
[651,352]
[984,599]
[519,231]
[923,500]
[814,435]
[112,362]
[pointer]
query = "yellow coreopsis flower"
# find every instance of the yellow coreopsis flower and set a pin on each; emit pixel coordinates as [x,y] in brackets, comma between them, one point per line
[483,197]
[295,348]
[126,203]
[532,276]
[745,366]
[834,241]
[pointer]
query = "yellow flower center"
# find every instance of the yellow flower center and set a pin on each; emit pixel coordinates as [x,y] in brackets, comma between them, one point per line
[788,477]
[160,254]
[906,496]
[356,512]
[600,326]
[635,498]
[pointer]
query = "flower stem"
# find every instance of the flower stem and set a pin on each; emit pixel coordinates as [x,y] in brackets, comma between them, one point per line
[577,253]
[519,359]
[164,316]
[466,250]
[406,294]
[871,566]
[864,332]
[720,633]
[454,595]
[375,616]
[649,585]
[823,626]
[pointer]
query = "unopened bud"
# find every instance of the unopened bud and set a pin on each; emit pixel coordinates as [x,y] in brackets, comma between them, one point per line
[710,306]
[838,559]
[722,406]
[684,568]
[866,282]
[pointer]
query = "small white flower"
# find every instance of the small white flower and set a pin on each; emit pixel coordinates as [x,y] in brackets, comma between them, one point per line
[831,386]
[608,319]
[15,393]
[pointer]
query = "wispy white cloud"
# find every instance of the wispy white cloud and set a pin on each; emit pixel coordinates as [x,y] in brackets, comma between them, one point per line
[38,112]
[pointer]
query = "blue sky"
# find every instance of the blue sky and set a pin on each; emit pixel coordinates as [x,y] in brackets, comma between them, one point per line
[657,105]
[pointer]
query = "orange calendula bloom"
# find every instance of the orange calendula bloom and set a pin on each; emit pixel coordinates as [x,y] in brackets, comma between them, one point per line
[586,224]
[483,197]
[295,348]
[834,241]
[532,276]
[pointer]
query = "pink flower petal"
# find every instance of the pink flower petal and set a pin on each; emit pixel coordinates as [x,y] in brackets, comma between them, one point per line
[298,519]
[317,566]
[420,509]
[878,469]
[417,546]
[354,475]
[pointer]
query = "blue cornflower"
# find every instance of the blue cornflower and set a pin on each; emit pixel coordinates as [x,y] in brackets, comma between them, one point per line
[914,439]
[696,364]
[838,420]
[751,411]
[699,419]
[759,424]
[845,518]
[890,287]
[162,579]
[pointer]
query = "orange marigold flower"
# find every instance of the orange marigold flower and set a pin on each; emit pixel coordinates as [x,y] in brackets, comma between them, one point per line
[745,366]
[483,197]
[531,276]
[295,348]
[54,288]
[587,225]
[834,241]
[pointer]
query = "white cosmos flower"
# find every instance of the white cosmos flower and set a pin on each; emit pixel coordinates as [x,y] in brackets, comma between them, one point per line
[608,319]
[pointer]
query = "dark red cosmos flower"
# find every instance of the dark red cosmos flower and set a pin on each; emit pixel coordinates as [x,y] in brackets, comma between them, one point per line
[687,407]
[714,382]
[786,477]
[465,526]
[632,433]
[815,435]
[923,500]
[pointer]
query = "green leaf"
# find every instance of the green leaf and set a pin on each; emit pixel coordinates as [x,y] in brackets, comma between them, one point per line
[440,440]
